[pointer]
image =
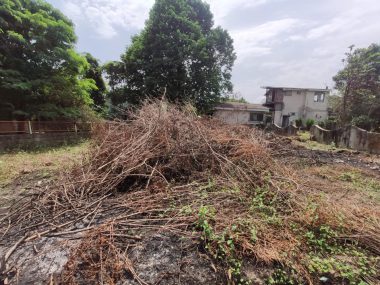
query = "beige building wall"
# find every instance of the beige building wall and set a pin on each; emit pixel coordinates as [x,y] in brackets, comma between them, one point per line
[300,104]
[236,116]
[233,117]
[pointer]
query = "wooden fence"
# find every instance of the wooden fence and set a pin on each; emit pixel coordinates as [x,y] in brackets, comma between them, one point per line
[41,127]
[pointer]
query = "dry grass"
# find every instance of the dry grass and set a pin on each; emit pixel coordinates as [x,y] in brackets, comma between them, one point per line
[343,181]
[169,170]
[14,164]
[303,139]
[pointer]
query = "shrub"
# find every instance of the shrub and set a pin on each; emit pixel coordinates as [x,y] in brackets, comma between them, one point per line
[331,123]
[309,123]
[363,122]
[321,124]
[298,123]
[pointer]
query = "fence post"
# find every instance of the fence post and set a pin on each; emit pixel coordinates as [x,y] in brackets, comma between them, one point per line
[75,127]
[30,128]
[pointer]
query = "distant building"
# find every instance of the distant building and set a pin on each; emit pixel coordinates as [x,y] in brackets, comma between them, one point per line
[242,113]
[289,104]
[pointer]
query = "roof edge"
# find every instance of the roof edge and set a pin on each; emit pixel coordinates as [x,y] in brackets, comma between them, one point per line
[296,88]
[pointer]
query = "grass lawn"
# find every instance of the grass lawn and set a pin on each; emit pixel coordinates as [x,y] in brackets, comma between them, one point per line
[46,160]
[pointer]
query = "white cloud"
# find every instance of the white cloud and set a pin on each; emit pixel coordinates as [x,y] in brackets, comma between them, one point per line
[350,19]
[294,42]
[221,8]
[336,25]
[258,40]
[106,16]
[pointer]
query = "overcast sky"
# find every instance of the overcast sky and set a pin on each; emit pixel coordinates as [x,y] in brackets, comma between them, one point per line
[297,43]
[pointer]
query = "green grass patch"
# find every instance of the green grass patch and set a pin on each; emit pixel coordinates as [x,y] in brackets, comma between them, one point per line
[46,160]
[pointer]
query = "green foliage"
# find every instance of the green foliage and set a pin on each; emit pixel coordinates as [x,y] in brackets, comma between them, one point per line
[94,73]
[352,266]
[39,67]
[364,122]
[309,123]
[298,123]
[359,84]
[329,259]
[178,54]
[281,277]
[235,100]
[263,205]
[323,239]
[369,186]
[329,124]
[222,246]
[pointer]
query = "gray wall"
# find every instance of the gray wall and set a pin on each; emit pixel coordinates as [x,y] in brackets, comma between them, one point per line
[238,116]
[286,131]
[350,137]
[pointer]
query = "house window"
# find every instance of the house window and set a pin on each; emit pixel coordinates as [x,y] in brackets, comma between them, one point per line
[256,117]
[319,97]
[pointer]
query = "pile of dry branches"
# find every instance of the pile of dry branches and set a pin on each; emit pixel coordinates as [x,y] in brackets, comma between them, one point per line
[167,169]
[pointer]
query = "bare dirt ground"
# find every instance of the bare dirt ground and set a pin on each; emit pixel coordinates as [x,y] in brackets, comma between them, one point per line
[161,255]
[300,151]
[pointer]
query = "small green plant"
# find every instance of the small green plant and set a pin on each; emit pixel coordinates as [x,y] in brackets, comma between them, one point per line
[350,266]
[298,123]
[281,277]
[220,246]
[204,215]
[309,123]
[262,204]
[347,176]
[322,239]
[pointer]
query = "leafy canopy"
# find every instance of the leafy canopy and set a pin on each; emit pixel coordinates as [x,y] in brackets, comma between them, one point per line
[94,72]
[41,76]
[178,54]
[359,85]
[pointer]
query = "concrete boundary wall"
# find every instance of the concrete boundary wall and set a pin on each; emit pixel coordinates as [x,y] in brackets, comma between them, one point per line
[287,131]
[33,141]
[348,137]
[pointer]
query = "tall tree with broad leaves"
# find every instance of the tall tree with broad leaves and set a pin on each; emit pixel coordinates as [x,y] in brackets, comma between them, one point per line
[180,54]
[41,76]
[359,85]
[94,72]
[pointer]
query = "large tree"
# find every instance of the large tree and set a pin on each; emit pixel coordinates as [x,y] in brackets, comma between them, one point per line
[41,76]
[94,72]
[180,54]
[359,84]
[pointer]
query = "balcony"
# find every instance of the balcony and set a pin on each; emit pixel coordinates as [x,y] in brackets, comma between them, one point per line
[274,97]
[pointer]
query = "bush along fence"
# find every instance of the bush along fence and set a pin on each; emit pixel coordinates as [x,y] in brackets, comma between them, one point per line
[36,134]
[349,137]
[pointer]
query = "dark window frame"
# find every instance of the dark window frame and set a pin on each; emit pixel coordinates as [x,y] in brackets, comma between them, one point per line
[319,97]
[255,117]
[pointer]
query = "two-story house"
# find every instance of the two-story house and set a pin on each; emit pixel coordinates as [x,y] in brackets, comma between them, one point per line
[289,104]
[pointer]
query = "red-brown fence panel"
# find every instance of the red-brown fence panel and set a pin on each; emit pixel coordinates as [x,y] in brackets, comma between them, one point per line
[39,127]
[14,127]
